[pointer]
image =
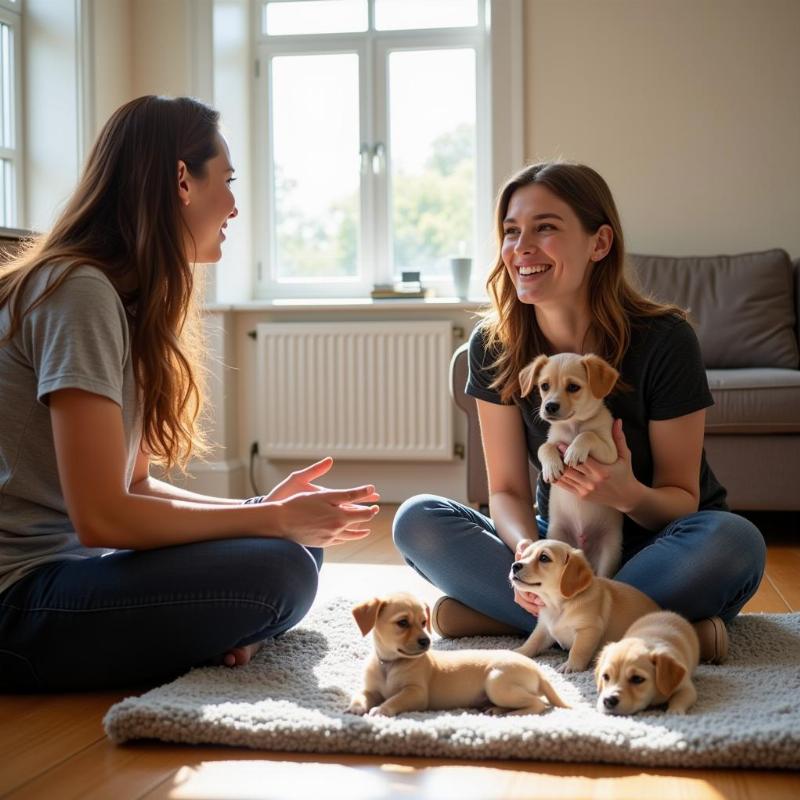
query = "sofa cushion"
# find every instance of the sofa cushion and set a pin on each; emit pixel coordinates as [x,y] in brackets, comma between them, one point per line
[742,306]
[754,401]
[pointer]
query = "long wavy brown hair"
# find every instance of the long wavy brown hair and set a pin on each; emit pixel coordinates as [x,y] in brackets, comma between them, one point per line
[124,219]
[511,331]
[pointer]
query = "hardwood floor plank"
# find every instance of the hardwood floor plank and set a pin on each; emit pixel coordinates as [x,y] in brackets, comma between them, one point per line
[103,771]
[38,732]
[293,778]
[783,568]
[767,600]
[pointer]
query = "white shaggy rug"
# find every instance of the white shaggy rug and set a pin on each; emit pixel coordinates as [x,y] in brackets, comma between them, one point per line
[292,697]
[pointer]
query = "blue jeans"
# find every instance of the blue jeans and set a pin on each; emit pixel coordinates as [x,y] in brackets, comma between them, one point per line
[145,616]
[705,564]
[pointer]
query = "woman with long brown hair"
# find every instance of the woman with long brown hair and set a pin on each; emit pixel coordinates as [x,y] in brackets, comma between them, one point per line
[109,576]
[559,285]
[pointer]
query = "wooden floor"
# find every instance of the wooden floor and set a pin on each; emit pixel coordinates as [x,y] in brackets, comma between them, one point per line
[54,746]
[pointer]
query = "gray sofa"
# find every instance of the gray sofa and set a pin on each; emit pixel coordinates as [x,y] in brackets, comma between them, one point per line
[746,310]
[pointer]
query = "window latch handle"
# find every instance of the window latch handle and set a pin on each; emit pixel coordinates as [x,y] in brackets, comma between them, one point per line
[378,157]
[363,155]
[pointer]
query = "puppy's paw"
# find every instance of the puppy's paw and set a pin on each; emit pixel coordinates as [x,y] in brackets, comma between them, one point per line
[358,707]
[676,710]
[566,668]
[576,453]
[495,711]
[552,470]
[380,711]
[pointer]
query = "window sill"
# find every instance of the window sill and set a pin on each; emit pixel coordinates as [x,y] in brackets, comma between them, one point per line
[351,304]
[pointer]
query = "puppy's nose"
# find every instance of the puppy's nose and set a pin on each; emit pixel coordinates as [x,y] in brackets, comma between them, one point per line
[423,641]
[612,701]
[551,408]
[517,566]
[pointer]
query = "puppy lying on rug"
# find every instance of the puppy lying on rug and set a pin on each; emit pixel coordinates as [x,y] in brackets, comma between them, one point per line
[404,675]
[573,388]
[652,665]
[581,612]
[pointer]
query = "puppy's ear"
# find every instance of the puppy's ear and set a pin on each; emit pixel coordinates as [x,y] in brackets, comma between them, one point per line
[599,667]
[529,376]
[602,376]
[366,614]
[669,673]
[427,617]
[521,546]
[576,576]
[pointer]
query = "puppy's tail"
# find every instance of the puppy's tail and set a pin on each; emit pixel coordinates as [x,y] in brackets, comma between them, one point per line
[551,694]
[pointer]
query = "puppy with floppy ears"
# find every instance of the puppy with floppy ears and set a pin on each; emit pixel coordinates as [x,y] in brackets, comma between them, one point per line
[404,675]
[581,612]
[652,665]
[573,388]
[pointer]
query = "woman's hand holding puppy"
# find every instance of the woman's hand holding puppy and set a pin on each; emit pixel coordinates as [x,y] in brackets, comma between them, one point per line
[612,485]
[530,601]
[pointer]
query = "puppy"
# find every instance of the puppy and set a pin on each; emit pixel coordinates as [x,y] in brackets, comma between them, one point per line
[404,675]
[581,612]
[572,388]
[652,665]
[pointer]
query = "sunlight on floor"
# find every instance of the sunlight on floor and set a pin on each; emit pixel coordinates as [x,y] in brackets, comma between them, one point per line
[371,580]
[282,780]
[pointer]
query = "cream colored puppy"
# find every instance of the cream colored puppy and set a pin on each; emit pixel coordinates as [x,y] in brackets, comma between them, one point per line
[404,675]
[581,612]
[573,388]
[652,665]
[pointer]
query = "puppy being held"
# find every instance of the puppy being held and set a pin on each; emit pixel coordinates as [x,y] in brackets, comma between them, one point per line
[581,612]
[573,388]
[652,665]
[404,675]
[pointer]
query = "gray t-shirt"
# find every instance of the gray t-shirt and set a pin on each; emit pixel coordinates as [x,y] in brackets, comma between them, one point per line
[77,339]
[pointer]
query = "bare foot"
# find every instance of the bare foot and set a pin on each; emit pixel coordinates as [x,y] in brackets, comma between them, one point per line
[239,656]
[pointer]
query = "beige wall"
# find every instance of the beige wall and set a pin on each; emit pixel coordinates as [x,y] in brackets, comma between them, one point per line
[113,58]
[160,59]
[689,108]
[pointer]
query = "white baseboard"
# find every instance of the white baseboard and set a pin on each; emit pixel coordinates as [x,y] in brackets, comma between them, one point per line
[215,478]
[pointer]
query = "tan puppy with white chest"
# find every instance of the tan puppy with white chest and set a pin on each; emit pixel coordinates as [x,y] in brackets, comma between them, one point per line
[581,611]
[573,389]
[404,675]
[651,665]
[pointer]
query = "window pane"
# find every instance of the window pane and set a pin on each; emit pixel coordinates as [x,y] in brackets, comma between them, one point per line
[392,15]
[316,165]
[6,86]
[8,217]
[315,16]
[432,128]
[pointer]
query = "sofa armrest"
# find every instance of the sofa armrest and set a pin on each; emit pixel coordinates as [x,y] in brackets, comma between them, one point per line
[477,485]
[797,298]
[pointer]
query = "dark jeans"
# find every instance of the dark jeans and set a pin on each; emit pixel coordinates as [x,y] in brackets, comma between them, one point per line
[706,564]
[144,616]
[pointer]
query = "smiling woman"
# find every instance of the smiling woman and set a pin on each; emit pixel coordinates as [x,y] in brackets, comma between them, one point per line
[559,286]
[99,352]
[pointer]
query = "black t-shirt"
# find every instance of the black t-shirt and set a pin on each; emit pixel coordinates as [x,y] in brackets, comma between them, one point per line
[665,373]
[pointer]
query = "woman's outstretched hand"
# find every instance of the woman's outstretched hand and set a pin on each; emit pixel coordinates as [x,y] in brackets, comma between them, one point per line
[325,517]
[318,517]
[299,481]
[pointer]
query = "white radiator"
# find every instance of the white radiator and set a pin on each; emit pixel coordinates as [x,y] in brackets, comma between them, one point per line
[366,390]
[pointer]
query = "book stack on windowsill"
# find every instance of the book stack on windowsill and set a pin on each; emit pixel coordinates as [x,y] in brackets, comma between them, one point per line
[410,288]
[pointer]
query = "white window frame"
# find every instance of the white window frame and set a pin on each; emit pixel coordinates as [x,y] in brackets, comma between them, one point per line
[497,41]
[11,15]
